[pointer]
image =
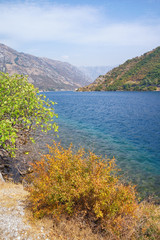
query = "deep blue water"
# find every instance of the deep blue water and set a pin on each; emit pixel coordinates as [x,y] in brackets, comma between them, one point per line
[125,125]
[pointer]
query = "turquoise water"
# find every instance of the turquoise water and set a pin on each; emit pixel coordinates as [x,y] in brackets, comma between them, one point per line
[125,125]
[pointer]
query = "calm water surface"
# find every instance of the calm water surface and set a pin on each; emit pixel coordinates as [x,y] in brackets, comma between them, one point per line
[125,125]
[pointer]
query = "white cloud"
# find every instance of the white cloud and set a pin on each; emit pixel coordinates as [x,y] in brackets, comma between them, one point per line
[126,34]
[82,25]
[84,33]
[31,23]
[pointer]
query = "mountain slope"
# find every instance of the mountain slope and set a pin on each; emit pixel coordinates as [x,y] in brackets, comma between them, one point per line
[46,74]
[94,71]
[138,74]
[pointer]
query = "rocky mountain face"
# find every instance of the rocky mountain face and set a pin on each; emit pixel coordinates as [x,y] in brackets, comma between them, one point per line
[93,72]
[44,73]
[137,74]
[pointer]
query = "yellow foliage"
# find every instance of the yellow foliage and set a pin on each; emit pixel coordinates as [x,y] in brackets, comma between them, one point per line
[64,182]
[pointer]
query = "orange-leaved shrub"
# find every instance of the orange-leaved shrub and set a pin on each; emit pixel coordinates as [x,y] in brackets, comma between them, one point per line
[72,183]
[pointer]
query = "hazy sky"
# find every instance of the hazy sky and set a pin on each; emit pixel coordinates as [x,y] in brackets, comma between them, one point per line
[82,32]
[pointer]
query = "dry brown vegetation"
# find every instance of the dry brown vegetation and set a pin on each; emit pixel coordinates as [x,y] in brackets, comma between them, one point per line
[86,200]
[13,199]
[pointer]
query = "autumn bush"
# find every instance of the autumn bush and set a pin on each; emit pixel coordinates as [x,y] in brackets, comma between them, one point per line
[73,183]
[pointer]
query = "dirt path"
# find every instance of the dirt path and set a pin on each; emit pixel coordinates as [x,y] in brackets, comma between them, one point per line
[16,223]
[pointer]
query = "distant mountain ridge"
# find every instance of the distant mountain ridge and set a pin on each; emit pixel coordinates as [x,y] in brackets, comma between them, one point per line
[137,74]
[44,73]
[94,71]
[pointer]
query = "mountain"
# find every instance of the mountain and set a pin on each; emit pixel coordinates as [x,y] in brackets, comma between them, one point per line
[44,73]
[137,74]
[94,71]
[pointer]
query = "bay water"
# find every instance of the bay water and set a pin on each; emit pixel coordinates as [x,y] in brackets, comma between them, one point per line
[125,125]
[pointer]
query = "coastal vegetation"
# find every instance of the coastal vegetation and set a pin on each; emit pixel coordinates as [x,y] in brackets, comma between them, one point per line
[84,189]
[74,188]
[22,110]
[137,74]
[79,183]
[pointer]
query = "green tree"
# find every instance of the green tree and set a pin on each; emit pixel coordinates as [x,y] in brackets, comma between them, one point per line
[22,110]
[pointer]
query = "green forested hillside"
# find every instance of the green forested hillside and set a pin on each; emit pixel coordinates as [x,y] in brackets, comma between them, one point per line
[138,74]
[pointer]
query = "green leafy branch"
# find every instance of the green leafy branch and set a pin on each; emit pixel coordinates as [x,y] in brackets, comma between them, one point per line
[22,110]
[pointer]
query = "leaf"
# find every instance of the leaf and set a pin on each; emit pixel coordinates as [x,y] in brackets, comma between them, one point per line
[21,108]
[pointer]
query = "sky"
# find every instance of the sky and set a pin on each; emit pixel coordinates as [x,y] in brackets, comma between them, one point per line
[82,32]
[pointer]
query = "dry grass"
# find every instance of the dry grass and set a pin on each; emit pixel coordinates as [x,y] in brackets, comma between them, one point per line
[75,228]
[10,193]
[148,226]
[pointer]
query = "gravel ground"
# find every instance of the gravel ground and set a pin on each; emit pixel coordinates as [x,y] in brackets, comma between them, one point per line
[15,222]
